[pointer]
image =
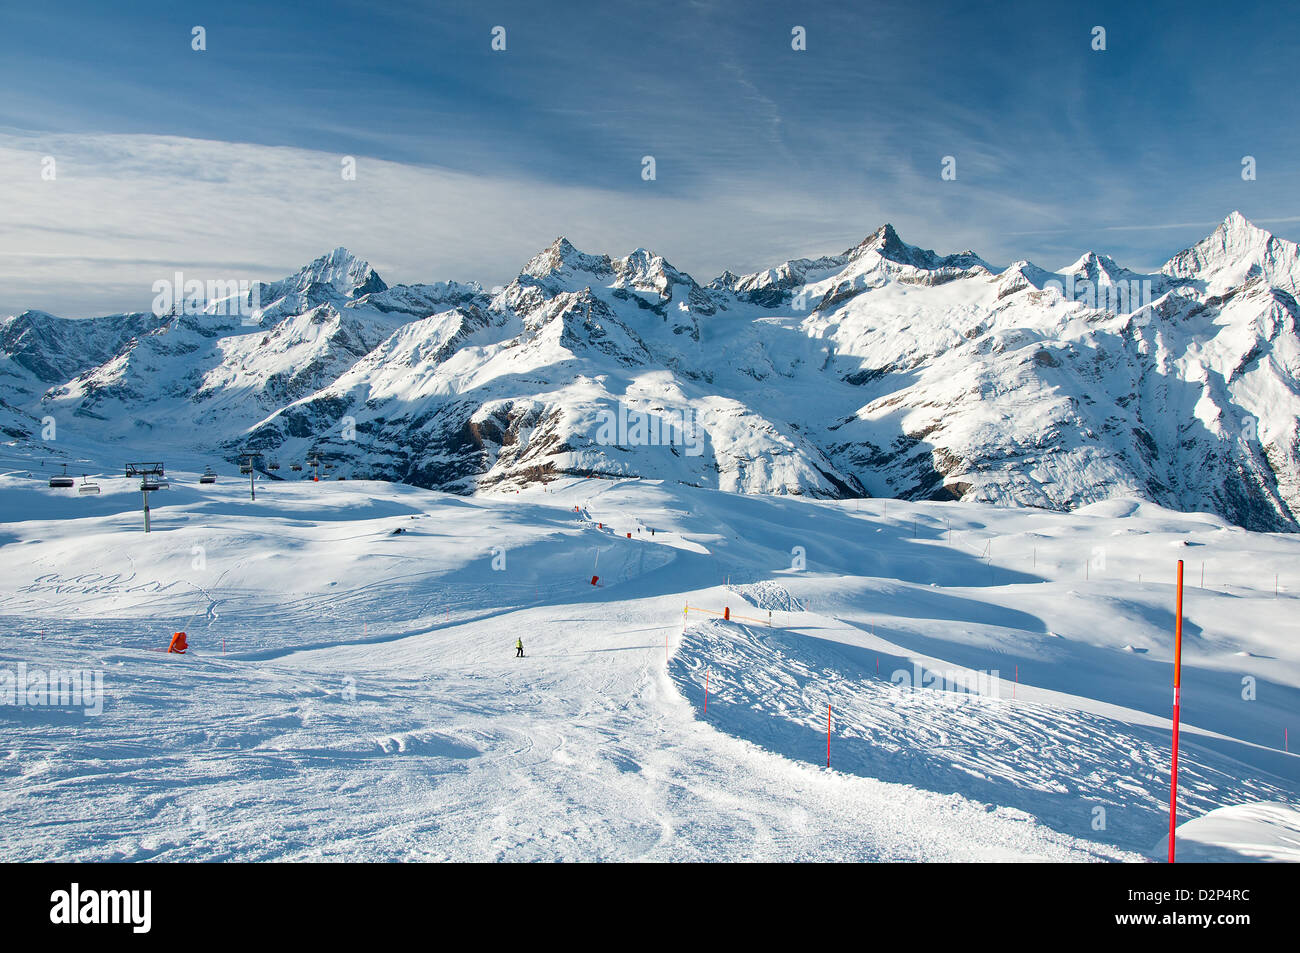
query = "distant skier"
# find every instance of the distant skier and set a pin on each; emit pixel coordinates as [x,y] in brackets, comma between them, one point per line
[519,648]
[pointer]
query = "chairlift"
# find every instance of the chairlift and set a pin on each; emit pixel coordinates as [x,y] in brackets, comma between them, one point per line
[296,467]
[86,488]
[150,484]
[245,468]
[208,476]
[63,481]
[274,465]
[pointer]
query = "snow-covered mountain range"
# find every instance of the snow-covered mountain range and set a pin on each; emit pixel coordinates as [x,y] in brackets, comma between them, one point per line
[887,370]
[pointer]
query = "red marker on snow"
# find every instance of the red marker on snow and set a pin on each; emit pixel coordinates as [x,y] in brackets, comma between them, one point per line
[1178,677]
[1178,683]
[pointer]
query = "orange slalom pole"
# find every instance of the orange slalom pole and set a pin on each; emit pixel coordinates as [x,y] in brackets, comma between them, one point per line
[1178,678]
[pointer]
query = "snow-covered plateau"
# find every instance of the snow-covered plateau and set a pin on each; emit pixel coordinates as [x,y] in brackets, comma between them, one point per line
[998,679]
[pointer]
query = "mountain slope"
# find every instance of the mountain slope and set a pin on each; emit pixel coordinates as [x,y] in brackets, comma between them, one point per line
[885,370]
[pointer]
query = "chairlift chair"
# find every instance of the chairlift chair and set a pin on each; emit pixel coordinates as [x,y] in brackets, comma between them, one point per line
[208,476]
[245,468]
[63,481]
[274,465]
[86,488]
[296,467]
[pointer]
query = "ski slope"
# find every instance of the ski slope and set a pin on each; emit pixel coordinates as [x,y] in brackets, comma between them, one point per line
[352,692]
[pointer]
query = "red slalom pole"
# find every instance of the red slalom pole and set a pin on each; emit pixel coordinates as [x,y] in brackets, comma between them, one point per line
[1178,677]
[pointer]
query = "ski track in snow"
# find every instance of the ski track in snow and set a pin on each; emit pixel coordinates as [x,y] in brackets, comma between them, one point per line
[370,706]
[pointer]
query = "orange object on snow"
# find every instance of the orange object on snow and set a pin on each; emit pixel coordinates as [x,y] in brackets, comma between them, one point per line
[179,645]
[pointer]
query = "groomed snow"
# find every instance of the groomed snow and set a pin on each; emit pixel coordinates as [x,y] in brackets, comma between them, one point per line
[368,704]
[1267,831]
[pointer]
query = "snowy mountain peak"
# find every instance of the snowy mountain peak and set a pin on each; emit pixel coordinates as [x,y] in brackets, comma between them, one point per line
[338,275]
[642,258]
[562,256]
[885,243]
[349,274]
[344,272]
[645,270]
[1235,252]
[1237,223]
[1236,236]
[1095,267]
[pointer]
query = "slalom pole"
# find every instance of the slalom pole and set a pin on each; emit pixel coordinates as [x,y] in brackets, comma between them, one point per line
[828,734]
[1178,674]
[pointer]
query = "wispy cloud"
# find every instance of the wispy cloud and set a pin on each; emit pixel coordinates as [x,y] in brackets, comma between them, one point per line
[470,160]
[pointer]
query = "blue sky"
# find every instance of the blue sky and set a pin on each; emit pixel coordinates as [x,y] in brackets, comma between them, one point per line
[469,160]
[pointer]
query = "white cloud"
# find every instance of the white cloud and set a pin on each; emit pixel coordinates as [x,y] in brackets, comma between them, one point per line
[126,210]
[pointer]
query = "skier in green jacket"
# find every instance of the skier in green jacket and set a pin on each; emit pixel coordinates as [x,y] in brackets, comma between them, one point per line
[519,648]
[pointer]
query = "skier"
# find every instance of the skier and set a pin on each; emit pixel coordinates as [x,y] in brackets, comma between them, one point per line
[519,648]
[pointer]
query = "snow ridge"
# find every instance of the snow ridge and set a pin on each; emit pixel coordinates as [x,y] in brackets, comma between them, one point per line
[887,370]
